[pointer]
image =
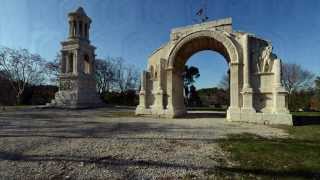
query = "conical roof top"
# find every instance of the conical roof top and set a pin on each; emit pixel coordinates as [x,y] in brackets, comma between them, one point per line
[80,11]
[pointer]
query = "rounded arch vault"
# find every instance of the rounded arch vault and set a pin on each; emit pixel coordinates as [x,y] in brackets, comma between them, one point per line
[215,40]
[256,92]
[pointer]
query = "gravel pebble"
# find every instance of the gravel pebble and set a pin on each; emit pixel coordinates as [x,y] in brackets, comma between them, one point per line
[88,144]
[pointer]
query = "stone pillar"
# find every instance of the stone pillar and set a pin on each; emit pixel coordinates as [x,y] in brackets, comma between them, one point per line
[172,107]
[70,29]
[233,113]
[279,93]
[246,62]
[63,62]
[81,29]
[76,64]
[67,62]
[247,93]
[74,28]
[77,28]
[277,72]
[169,72]
[142,107]
[92,64]
[88,30]
[158,93]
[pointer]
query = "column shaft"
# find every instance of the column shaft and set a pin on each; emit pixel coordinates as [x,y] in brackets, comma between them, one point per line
[234,86]
[63,62]
[247,93]
[277,72]
[246,73]
[75,61]
[70,29]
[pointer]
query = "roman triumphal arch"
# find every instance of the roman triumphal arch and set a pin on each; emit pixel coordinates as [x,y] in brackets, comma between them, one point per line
[256,92]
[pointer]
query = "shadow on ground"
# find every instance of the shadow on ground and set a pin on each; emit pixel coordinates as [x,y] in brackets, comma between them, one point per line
[22,133]
[204,114]
[114,161]
[305,120]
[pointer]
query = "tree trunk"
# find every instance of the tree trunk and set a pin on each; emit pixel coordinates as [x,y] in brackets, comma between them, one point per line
[18,99]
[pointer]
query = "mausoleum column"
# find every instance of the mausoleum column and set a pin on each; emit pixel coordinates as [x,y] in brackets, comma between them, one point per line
[63,62]
[67,63]
[88,27]
[70,29]
[92,63]
[74,28]
[76,56]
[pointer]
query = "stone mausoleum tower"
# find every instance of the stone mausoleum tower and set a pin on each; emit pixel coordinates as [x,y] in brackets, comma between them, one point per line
[77,88]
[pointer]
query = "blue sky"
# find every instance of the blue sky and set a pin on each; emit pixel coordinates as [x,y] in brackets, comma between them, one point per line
[132,29]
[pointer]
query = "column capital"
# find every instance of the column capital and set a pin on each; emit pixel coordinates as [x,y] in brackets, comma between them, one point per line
[247,90]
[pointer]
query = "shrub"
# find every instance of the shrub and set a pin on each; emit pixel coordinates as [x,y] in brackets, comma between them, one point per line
[128,98]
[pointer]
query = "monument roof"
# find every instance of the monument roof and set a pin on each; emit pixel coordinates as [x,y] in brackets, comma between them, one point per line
[80,10]
[209,24]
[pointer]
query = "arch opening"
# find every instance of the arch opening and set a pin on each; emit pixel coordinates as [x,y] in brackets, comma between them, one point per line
[196,45]
[205,102]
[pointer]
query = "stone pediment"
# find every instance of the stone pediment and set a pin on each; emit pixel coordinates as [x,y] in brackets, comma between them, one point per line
[221,24]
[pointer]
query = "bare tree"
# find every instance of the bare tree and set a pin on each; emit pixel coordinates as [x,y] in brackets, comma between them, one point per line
[224,82]
[22,68]
[105,74]
[54,69]
[295,78]
[112,74]
[127,76]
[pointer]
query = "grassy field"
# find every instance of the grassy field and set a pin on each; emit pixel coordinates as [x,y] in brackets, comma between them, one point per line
[313,114]
[296,157]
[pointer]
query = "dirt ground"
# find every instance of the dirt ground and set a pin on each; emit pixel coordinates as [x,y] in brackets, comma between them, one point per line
[110,143]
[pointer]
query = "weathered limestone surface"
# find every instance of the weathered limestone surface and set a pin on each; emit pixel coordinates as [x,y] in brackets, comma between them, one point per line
[256,92]
[77,88]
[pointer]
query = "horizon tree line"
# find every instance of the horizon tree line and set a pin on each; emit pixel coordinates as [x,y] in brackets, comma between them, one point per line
[21,69]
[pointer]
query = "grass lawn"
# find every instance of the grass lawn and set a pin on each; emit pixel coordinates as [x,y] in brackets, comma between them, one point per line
[297,157]
[306,114]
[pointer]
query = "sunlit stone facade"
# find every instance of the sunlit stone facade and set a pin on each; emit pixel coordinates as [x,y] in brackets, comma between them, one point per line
[77,88]
[256,92]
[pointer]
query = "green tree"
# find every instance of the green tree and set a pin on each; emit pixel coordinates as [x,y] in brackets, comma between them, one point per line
[316,100]
[189,75]
[317,87]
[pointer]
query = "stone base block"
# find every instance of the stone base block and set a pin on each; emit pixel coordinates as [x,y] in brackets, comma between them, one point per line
[143,111]
[159,112]
[71,100]
[233,115]
[260,118]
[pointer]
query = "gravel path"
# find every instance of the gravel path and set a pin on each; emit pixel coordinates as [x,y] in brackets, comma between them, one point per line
[102,144]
